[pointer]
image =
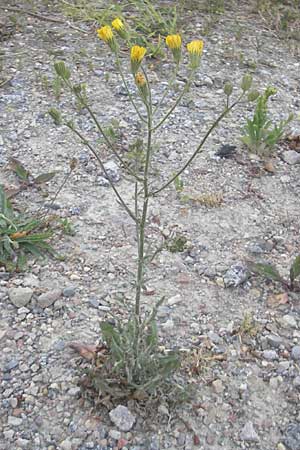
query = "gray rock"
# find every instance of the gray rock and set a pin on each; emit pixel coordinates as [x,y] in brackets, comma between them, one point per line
[69,291]
[288,321]
[274,341]
[236,275]
[291,157]
[296,382]
[115,434]
[269,355]
[259,247]
[248,433]
[103,182]
[48,298]
[14,421]
[113,171]
[295,353]
[12,364]
[122,418]
[20,296]
[292,436]
[218,386]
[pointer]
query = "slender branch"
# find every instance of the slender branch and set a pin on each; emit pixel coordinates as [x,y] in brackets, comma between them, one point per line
[128,91]
[167,90]
[185,89]
[85,142]
[210,130]
[101,130]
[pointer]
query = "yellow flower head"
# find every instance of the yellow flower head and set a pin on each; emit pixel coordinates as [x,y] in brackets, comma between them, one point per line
[117,24]
[137,54]
[105,33]
[140,79]
[195,49]
[173,41]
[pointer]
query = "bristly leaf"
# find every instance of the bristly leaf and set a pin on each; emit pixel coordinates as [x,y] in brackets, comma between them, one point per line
[61,70]
[266,270]
[19,169]
[295,269]
[44,177]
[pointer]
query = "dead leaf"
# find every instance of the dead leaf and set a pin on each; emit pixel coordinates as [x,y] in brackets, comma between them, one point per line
[294,142]
[269,166]
[275,300]
[87,352]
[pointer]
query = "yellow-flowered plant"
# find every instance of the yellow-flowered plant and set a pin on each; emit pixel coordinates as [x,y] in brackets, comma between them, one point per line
[174,43]
[195,49]
[137,355]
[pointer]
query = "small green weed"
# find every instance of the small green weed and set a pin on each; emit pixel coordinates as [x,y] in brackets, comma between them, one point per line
[21,236]
[259,138]
[270,272]
[25,176]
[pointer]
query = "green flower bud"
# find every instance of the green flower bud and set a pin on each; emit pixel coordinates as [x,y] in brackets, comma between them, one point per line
[228,88]
[252,96]
[61,70]
[56,116]
[246,82]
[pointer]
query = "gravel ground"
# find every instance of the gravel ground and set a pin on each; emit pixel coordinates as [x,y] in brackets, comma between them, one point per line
[248,383]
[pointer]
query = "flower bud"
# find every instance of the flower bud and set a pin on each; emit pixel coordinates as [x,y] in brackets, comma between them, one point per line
[228,88]
[252,96]
[246,82]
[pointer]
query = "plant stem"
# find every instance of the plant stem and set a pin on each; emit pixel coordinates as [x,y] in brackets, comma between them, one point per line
[198,149]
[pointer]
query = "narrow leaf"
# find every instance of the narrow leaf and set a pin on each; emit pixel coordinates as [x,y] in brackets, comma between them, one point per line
[295,269]
[44,177]
[19,169]
[266,270]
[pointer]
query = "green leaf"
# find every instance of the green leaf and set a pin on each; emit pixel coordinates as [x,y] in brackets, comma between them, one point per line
[19,169]
[56,116]
[295,269]
[266,270]
[61,70]
[44,177]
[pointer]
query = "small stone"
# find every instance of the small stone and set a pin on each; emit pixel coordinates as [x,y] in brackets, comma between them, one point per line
[75,391]
[274,341]
[20,296]
[288,321]
[292,436]
[93,302]
[236,275]
[113,172]
[291,157]
[283,366]
[269,355]
[48,298]
[295,353]
[218,386]
[122,418]
[280,446]
[162,409]
[174,300]
[296,382]
[248,433]
[273,382]
[66,444]
[9,434]
[69,291]
[12,364]
[214,337]
[13,402]
[115,434]
[14,421]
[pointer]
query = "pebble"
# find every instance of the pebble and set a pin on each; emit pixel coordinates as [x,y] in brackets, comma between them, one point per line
[14,421]
[295,353]
[269,355]
[218,386]
[69,291]
[20,296]
[288,321]
[274,341]
[122,418]
[12,364]
[291,157]
[248,433]
[174,300]
[292,436]
[113,171]
[236,275]
[48,298]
